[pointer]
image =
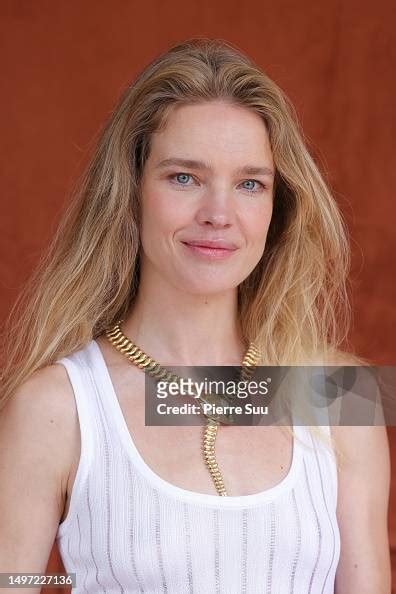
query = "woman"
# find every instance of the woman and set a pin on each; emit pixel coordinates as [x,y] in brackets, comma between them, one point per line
[204,225]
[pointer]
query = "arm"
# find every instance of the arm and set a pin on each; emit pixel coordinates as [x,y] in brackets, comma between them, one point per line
[37,428]
[364,482]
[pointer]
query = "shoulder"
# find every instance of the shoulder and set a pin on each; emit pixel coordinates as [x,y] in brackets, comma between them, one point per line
[45,396]
[41,422]
[360,442]
[357,447]
[362,447]
[38,434]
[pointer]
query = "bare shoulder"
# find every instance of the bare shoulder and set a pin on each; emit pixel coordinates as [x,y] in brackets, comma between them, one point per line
[46,398]
[356,443]
[38,435]
[356,446]
[362,446]
[42,416]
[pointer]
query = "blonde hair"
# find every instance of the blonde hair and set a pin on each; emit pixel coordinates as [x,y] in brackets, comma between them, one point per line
[294,304]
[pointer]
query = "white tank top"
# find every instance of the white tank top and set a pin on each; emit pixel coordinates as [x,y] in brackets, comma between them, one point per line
[128,530]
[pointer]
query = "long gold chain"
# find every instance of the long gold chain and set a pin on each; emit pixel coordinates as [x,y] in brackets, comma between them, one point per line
[155,370]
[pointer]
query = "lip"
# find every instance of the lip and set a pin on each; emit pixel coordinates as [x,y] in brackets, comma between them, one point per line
[214,243]
[213,249]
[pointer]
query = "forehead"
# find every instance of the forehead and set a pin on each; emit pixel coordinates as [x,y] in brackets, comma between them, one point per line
[212,129]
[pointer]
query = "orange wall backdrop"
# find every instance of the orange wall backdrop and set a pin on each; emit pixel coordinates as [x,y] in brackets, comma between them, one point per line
[64,64]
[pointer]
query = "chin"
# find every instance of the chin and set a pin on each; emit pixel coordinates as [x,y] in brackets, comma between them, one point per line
[205,286]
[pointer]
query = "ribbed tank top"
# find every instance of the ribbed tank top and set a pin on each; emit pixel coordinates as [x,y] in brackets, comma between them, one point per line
[128,530]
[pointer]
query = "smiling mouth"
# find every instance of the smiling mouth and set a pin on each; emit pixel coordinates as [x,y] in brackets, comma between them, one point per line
[209,251]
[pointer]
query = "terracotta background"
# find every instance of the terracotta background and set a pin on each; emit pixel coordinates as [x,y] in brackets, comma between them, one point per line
[64,64]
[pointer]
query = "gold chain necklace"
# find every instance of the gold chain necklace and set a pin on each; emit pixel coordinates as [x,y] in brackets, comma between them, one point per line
[155,370]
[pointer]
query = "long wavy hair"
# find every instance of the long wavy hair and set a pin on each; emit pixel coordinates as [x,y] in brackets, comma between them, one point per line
[294,304]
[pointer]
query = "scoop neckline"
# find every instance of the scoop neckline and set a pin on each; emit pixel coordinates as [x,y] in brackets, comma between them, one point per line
[231,501]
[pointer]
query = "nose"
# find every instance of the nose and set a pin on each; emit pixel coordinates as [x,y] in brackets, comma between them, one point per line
[216,210]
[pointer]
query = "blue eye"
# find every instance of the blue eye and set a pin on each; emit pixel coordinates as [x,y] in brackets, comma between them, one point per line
[182,178]
[252,181]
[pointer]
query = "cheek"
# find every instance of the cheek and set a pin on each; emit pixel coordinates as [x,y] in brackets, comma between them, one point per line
[162,216]
[155,213]
[257,224]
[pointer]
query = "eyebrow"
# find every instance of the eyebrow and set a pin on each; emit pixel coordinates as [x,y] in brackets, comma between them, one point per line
[200,165]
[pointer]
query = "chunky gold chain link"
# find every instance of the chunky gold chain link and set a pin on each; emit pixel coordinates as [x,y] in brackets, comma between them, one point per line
[155,370]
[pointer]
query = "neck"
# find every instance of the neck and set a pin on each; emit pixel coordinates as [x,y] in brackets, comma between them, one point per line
[178,328]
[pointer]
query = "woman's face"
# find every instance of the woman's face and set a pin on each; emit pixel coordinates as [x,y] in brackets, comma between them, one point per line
[207,194]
